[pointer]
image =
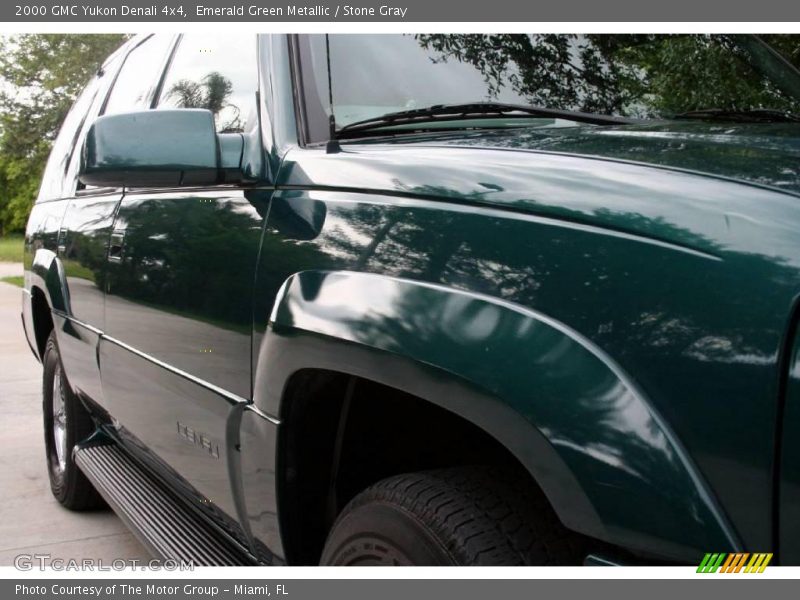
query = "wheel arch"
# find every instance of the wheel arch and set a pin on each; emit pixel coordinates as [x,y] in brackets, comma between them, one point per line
[610,466]
[47,287]
[42,321]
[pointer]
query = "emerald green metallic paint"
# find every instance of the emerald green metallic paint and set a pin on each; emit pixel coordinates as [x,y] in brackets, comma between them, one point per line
[153,148]
[82,249]
[789,482]
[685,279]
[600,424]
[758,153]
[43,270]
[182,288]
[176,348]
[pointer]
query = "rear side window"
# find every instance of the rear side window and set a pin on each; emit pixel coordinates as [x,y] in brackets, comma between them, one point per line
[215,72]
[138,77]
[71,183]
[55,173]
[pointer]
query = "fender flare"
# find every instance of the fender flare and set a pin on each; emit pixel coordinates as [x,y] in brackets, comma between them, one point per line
[47,274]
[609,464]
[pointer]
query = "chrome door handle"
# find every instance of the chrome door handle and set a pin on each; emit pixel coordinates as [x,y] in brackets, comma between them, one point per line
[61,242]
[116,245]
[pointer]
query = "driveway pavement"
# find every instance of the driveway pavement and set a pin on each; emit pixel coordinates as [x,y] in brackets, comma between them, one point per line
[31,521]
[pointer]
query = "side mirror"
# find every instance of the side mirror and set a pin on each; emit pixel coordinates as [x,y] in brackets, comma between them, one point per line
[159,148]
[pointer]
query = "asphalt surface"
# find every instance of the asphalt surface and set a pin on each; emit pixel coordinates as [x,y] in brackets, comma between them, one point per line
[31,521]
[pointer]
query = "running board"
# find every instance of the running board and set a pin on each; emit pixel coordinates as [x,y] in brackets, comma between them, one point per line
[167,527]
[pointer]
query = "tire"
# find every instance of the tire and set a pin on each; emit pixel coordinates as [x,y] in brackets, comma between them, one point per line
[459,516]
[68,484]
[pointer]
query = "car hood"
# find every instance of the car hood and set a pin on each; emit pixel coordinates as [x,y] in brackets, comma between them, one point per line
[764,154]
[702,187]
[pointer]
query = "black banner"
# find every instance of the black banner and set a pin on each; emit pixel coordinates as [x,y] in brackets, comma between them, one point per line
[730,588]
[459,11]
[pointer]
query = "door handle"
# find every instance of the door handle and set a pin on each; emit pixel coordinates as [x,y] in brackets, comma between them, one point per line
[61,242]
[116,245]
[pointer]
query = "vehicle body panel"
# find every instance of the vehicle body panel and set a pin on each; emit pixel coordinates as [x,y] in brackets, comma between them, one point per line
[176,349]
[690,278]
[759,153]
[253,474]
[82,248]
[789,469]
[173,423]
[40,263]
[599,428]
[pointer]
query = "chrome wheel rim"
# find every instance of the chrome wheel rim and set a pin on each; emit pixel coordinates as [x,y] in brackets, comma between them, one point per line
[59,419]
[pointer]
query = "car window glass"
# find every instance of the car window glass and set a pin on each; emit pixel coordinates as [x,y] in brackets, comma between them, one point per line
[638,76]
[71,182]
[217,73]
[56,169]
[135,82]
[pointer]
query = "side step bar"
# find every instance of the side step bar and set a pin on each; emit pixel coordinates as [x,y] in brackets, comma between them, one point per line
[167,527]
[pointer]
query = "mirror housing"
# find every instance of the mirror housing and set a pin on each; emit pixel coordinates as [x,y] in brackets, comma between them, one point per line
[159,148]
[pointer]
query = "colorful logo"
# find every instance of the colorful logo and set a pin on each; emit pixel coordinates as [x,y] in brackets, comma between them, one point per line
[734,563]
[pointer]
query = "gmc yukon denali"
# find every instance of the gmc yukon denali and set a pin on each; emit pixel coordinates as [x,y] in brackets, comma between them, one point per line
[427,299]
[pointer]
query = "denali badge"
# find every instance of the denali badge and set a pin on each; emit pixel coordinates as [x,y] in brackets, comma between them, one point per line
[198,439]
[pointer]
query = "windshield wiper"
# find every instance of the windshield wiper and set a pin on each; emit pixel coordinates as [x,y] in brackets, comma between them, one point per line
[476,110]
[756,115]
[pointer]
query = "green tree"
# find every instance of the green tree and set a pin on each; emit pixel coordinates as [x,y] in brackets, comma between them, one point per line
[40,77]
[631,75]
[212,93]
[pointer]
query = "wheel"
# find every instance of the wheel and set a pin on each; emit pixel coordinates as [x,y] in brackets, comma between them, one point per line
[66,422]
[459,516]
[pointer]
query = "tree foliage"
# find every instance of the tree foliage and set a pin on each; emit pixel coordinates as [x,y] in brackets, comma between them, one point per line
[211,92]
[40,77]
[641,75]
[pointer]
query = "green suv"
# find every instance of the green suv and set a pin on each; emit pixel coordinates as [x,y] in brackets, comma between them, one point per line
[427,299]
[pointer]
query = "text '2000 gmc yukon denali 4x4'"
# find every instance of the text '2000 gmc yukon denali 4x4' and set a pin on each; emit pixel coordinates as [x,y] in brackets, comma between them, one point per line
[433,299]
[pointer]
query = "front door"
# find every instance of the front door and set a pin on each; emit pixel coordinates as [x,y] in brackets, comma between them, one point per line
[176,355]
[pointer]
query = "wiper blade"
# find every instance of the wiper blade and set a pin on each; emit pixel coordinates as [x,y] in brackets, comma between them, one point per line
[756,115]
[476,110]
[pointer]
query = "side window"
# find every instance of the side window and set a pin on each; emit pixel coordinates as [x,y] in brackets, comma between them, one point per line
[71,183]
[138,77]
[55,173]
[215,72]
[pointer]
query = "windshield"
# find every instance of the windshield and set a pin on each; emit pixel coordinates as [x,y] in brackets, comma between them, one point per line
[636,76]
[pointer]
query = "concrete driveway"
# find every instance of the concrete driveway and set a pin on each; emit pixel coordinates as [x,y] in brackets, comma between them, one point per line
[31,521]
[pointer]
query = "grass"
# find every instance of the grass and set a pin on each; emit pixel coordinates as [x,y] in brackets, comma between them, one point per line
[74,269]
[13,280]
[11,248]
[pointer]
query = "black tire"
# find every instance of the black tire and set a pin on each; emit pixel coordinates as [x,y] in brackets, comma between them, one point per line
[459,516]
[68,484]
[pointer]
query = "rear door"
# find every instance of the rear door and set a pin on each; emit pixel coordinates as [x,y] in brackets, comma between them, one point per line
[47,231]
[82,242]
[176,358]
